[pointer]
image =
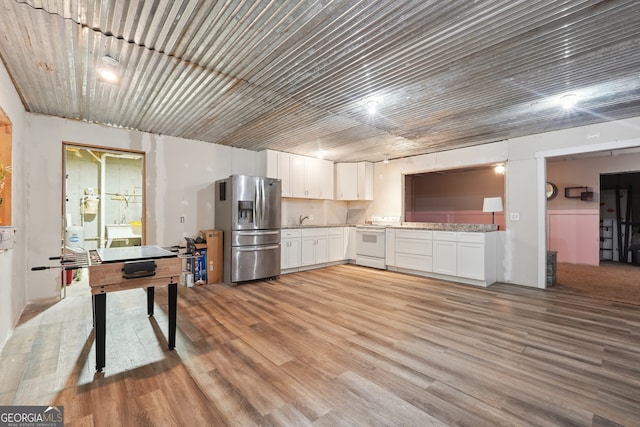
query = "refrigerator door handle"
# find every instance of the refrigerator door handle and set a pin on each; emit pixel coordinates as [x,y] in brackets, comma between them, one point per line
[256,232]
[262,203]
[257,248]
[256,202]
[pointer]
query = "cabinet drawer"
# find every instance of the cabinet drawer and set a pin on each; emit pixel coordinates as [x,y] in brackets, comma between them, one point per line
[415,234]
[414,246]
[313,232]
[471,237]
[414,262]
[288,233]
[445,236]
[335,231]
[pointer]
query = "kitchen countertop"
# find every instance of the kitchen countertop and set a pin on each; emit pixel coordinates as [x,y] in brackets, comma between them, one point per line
[440,226]
[318,225]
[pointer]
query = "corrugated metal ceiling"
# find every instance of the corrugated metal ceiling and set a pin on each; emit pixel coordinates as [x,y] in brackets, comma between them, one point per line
[296,75]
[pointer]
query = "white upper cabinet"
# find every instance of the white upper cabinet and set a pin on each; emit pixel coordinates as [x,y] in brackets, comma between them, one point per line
[305,177]
[276,164]
[326,179]
[284,173]
[298,186]
[346,181]
[354,181]
[302,177]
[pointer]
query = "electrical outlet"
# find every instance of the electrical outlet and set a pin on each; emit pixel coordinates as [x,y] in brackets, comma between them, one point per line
[182,220]
[515,216]
[310,217]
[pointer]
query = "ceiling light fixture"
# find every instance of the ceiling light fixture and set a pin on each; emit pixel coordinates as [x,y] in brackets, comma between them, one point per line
[569,101]
[372,107]
[386,159]
[109,70]
[499,168]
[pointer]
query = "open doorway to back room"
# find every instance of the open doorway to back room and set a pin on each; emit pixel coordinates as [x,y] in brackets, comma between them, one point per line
[592,234]
[620,217]
[103,197]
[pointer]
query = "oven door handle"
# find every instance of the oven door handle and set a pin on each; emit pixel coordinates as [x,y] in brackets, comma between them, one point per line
[370,230]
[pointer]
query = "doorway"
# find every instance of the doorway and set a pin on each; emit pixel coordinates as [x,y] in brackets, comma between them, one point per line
[619,217]
[603,224]
[103,197]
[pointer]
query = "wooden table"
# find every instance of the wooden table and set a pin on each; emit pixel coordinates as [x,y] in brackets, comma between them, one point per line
[122,268]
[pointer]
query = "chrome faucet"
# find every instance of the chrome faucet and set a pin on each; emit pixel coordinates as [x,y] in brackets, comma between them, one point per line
[302,218]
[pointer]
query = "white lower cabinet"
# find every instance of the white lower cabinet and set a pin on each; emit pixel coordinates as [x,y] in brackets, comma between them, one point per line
[477,256]
[414,249]
[335,236]
[289,249]
[390,247]
[445,252]
[314,246]
[471,255]
[468,257]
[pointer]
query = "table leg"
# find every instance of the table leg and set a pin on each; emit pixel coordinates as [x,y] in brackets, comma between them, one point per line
[100,321]
[150,297]
[173,307]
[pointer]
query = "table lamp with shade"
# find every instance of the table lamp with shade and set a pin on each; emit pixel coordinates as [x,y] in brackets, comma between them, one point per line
[493,205]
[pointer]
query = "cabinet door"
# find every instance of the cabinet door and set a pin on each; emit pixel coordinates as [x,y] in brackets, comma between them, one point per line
[308,250]
[326,179]
[365,181]
[297,176]
[322,250]
[351,246]
[284,173]
[471,260]
[336,247]
[270,157]
[312,177]
[390,247]
[346,181]
[445,257]
[290,253]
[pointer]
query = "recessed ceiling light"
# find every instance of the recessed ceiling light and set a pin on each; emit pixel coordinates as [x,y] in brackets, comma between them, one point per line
[569,101]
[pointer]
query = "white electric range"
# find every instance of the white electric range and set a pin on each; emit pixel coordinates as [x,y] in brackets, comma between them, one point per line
[370,241]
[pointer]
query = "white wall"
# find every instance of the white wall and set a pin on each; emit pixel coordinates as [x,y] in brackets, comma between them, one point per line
[180,176]
[525,178]
[13,262]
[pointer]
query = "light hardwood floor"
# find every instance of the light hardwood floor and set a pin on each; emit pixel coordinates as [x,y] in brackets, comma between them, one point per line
[344,345]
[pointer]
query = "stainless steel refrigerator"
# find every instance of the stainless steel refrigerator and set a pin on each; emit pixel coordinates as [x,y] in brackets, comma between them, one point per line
[248,211]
